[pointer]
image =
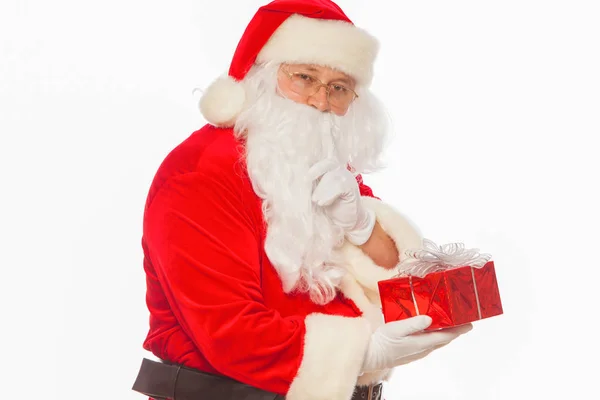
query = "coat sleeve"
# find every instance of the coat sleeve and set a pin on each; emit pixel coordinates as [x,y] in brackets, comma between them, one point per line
[205,247]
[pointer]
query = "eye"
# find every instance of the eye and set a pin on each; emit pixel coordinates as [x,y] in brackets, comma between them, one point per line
[306,77]
[339,88]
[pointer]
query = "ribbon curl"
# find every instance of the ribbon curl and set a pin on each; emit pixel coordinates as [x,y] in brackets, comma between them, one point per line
[433,258]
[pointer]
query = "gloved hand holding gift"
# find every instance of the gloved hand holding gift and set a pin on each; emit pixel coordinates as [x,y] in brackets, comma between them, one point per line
[449,283]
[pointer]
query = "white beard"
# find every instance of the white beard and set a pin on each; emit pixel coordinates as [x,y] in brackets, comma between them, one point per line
[283,140]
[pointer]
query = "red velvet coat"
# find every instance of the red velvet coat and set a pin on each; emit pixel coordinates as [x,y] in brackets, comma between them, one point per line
[215,301]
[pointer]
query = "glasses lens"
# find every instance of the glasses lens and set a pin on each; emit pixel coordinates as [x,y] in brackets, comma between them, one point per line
[340,96]
[304,85]
[307,85]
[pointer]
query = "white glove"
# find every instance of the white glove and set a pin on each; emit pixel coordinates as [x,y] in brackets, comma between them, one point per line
[338,192]
[397,343]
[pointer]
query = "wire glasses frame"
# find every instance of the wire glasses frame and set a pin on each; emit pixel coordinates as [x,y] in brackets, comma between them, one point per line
[307,85]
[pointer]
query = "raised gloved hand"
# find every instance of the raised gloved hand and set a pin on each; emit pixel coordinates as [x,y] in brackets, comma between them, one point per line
[338,193]
[400,342]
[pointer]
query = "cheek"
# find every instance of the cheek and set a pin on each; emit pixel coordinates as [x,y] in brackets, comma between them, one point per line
[338,111]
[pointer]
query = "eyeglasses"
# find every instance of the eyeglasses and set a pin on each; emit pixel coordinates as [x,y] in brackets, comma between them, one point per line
[338,96]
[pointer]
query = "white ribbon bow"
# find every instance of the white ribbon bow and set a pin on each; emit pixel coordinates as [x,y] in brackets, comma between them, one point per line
[433,258]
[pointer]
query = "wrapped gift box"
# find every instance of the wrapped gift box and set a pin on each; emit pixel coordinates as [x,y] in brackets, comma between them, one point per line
[433,282]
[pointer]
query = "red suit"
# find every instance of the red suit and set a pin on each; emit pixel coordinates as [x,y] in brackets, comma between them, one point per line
[216,303]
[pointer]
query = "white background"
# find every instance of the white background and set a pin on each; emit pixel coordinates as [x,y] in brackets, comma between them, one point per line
[496,109]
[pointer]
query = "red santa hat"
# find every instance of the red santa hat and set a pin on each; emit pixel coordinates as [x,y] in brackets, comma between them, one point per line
[293,31]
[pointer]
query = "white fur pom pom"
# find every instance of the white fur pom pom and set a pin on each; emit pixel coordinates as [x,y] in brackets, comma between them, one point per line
[222,102]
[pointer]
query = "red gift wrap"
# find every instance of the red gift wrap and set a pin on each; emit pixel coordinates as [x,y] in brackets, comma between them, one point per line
[451,297]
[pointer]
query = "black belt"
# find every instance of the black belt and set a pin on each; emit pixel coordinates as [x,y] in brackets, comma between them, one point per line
[169,381]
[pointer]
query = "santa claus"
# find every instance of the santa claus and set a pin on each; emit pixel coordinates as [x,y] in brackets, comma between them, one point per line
[262,244]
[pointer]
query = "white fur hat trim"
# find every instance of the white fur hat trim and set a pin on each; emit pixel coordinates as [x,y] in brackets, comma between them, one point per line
[332,43]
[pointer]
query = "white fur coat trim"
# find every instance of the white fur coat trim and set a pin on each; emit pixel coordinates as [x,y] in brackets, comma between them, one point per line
[334,347]
[372,313]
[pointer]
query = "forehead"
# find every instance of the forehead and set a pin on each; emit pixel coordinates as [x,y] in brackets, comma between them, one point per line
[321,71]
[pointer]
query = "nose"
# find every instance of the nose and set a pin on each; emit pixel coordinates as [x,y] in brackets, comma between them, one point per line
[319,100]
